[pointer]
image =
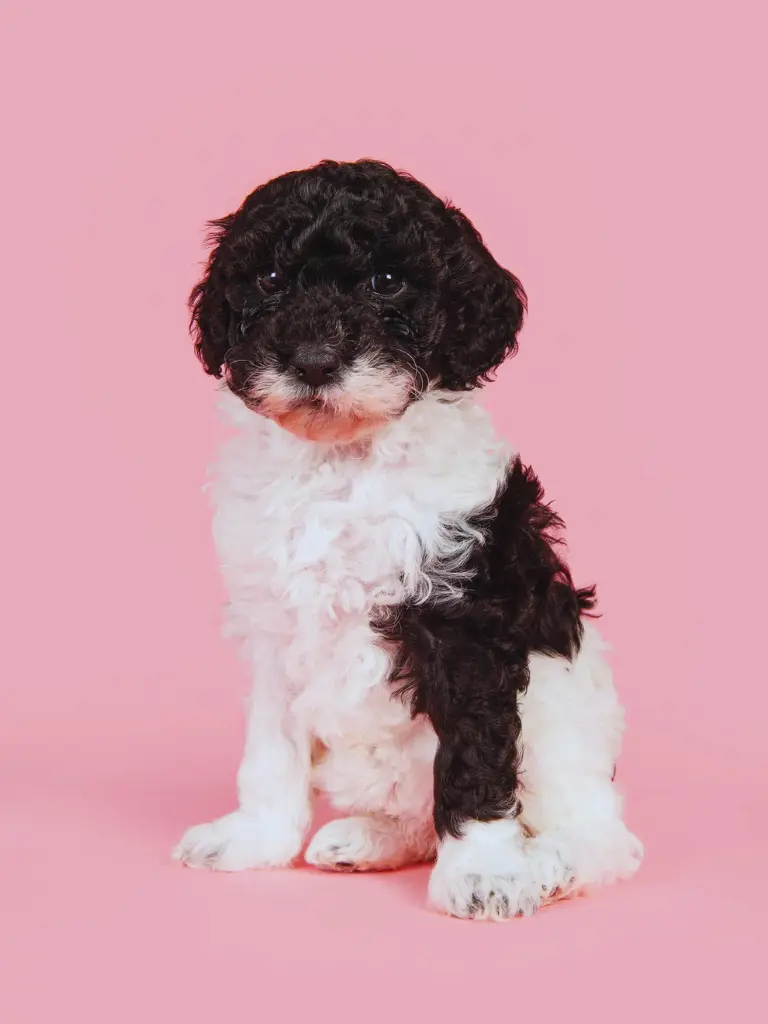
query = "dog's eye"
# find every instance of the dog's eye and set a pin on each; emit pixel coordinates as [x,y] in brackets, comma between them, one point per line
[271,282]
[387,284]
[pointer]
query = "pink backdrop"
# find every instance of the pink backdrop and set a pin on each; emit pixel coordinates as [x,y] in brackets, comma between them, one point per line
[613,155]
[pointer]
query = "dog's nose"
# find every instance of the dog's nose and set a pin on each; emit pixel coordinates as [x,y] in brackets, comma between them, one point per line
[315,367]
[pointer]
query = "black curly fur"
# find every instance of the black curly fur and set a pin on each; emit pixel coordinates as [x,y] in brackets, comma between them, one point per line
[464,662]
[326,230]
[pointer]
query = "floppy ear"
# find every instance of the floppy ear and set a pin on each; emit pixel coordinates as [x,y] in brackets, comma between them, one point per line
[212,320]
[485,308]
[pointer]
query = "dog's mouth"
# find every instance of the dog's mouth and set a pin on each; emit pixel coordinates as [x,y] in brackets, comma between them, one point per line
[369,396]
[316,420]
[318,423]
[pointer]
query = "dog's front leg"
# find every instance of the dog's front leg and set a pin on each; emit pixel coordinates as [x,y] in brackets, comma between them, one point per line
[482,870]
[273,818]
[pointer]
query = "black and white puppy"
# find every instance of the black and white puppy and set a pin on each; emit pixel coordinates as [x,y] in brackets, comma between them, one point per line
[417,647]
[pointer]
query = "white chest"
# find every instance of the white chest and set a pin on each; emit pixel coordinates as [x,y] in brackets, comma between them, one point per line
[311,540]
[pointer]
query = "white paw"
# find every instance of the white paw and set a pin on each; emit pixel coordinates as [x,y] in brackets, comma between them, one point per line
[361,844]
[606,855]
[484,897]
[549,862]
[597,855]
[239,841]
[628,853]
[491,874]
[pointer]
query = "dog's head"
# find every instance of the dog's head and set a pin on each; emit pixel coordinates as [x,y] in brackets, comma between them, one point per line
[336,295]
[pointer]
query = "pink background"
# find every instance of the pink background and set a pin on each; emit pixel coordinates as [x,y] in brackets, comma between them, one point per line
[613,154]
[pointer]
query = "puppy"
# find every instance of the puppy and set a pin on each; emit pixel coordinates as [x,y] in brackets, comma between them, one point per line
[418,650]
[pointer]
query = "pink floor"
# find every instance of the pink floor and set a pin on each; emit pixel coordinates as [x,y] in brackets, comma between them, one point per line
[98,925]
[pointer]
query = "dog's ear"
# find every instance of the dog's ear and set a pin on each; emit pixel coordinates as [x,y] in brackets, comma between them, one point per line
[212,321]
[485,306]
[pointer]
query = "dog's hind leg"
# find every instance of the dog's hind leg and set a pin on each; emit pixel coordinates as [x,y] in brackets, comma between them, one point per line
[385,783]
[571,734]
[371,843]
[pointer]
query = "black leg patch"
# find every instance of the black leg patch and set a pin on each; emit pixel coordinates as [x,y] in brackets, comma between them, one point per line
[464,661]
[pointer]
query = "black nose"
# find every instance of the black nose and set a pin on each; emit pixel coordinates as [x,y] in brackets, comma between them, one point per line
[315,367]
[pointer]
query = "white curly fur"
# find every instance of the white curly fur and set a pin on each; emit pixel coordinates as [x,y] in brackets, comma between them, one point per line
[311,539]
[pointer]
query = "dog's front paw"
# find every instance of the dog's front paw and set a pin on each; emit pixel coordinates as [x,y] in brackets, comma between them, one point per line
[489,874]
[239,841]
[485,897]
